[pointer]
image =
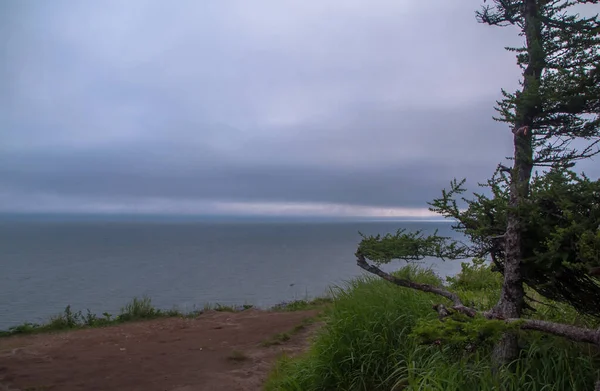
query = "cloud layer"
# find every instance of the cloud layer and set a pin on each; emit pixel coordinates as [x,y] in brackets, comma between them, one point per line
[266,107]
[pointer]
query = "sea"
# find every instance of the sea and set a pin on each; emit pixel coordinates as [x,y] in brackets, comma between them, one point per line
[101,264]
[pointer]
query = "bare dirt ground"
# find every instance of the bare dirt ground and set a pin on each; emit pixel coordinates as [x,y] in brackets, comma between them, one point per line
[215,351]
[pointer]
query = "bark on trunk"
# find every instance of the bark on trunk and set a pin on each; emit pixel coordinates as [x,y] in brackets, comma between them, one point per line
[511,300]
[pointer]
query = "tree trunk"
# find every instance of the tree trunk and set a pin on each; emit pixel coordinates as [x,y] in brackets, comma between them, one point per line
[511,300]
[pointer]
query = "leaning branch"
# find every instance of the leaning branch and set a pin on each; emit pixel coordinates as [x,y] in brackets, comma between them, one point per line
[573,333]
[453,297]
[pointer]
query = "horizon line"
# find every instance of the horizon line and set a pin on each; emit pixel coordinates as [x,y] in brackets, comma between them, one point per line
[192,216]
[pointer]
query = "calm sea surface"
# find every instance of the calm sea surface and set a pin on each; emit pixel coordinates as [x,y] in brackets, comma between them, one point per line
[102,265]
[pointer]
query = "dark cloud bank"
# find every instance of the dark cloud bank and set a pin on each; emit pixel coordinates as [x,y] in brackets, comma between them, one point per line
[329,108]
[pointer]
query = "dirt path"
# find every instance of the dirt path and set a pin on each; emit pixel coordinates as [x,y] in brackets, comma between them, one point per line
[216,351]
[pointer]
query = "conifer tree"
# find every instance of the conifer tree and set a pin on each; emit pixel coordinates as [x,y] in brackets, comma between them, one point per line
[539,223]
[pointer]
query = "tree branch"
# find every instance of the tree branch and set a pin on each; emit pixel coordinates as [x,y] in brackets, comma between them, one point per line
[453,297]
[503,168]
[540,302]
[573,333]
[583,25]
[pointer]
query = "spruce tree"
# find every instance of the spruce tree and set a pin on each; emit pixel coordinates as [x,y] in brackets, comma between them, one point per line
[538,220]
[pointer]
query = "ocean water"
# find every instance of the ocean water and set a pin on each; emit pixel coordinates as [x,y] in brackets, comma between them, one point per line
[102,265]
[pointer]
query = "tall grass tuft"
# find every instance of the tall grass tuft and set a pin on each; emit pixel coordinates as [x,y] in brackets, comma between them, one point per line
[139,308]
[367,344]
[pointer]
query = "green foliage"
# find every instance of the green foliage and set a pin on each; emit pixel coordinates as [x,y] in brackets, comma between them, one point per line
[410,246]
[566,218]
[562,240]
[475,276]
[137,309]
[560,103]
[293,374]
[477,284]
[368,343]
[276,339]
[280,338]
[67,320]
[418,274]
[548,365]
[558,211]
[140,309]
[367,332]
[560,235]
[224,308]
[305,322]
[25,328]
[461,333]
[63,321]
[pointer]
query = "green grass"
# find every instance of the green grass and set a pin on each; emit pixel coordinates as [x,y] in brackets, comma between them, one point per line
[280,338]
[303,305]
[219,307]
[140,309]
[365,329]
[226,308]
[238,356]
[136,310]
[276,339]
[368,342]
[305,323]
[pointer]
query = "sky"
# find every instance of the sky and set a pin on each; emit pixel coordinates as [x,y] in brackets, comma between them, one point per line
[328,108]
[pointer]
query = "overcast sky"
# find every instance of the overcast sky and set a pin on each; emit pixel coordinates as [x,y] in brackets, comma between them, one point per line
[334,107]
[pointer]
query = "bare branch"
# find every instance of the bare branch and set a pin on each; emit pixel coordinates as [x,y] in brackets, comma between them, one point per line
[540,302]
[573,333]
[506,12]
[453,297]
[442,311]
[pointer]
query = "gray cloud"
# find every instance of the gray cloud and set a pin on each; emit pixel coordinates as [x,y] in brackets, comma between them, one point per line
[335,102]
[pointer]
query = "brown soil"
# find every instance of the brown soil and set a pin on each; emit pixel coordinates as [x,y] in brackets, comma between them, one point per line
[216,351]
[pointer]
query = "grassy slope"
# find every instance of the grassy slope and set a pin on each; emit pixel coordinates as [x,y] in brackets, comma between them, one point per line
[367,344]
